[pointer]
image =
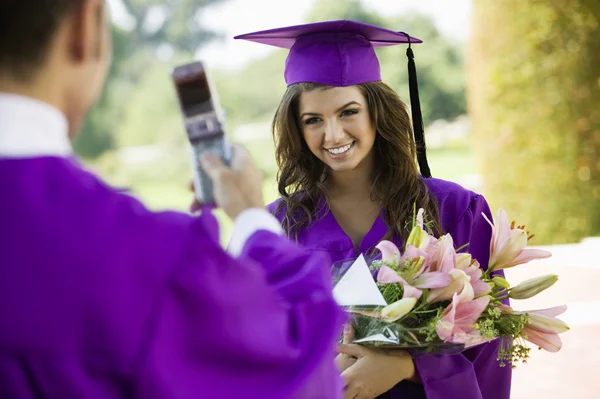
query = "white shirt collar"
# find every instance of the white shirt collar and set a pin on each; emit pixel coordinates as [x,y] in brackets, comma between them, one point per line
[31,128]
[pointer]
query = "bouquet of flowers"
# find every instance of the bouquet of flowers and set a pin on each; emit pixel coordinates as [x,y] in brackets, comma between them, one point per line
[429,298]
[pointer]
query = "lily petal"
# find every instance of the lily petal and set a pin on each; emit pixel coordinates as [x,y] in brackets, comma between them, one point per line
[420,214]
[412,252]
[507,250]
[550,312]
[459,319]
[494,233]
[462,260]
[467,293]
[480,288]
[457,284]
[467,313]
[546,324]
[444,260]
[549,342]
[527,255]
[432,280]
[411,292]
[502,227]
[389,252]
[398,309]
[387,275]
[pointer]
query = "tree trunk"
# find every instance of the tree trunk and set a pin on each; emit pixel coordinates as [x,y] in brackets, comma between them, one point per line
[534,98]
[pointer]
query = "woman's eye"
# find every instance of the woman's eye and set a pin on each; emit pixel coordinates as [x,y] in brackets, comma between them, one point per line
[311,121]
[349,112]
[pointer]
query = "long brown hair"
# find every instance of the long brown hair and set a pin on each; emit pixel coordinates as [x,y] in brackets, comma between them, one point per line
[396,181]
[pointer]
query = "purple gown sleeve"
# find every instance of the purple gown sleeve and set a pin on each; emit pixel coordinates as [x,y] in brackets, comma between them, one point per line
[260,326]
[475,373]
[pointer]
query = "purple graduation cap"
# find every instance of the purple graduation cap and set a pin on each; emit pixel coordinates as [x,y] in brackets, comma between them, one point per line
[342,53]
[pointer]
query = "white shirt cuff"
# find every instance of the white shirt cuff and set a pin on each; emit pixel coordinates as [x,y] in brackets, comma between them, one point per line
[249,222]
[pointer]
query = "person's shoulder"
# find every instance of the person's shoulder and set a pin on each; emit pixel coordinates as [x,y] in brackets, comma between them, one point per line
[277,208]
[99,209]
[446,189]
[453,199]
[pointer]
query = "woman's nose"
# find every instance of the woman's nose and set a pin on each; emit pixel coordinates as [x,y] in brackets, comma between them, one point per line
[334,133]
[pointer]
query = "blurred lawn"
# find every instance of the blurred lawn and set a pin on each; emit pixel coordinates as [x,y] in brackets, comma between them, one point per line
[448,163]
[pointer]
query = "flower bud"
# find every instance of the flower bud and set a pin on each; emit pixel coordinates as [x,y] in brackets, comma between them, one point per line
[500,281]
[398,309]
[546,324]
[532,287]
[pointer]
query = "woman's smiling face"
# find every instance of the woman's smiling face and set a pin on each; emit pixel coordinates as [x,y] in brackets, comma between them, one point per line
[336,125]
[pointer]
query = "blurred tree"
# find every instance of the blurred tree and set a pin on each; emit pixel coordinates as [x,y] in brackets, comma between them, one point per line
[96,136]
[534,96]
[324,10]
[168,22]
[164,29]
[253,93]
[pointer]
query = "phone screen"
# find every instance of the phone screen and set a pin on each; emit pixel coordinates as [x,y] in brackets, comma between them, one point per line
[197,102]
[194,94]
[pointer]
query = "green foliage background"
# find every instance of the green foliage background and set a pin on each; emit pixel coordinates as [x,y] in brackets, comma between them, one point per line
[533,89]
[534,98]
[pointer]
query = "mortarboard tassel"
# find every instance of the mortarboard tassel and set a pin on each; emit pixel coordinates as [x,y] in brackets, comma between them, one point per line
[417,117]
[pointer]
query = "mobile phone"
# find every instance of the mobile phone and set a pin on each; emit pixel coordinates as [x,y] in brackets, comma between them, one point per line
[204,122]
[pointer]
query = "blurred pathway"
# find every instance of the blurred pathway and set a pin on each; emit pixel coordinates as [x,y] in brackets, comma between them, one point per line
[574,372]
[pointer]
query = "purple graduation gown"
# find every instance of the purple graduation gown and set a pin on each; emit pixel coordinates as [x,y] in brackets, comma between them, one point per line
[101,298]
[473,374]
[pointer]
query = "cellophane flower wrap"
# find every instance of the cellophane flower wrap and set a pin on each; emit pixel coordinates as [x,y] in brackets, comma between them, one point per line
[429,297]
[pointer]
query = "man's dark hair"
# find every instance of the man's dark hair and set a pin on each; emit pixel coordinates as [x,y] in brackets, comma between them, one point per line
[26,29]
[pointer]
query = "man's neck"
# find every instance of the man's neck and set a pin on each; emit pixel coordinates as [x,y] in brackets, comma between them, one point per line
[39,88]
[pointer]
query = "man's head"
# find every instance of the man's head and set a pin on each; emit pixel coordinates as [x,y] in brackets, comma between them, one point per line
[57,51]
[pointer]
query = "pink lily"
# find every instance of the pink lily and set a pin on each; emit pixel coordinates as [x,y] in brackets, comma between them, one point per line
[507,247]
[459,285]
[543,326]
[413,287]
[544,321]
[443,254]
[414,275]
[458,319]
[472,269]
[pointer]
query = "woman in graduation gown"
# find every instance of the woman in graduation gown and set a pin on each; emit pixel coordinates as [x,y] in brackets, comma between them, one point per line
[348,179]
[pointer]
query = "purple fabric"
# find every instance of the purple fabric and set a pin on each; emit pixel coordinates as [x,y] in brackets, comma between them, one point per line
[101,298]
[473,374]
[333,53]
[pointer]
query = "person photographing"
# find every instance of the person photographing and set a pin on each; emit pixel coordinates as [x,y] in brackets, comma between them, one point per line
[101,297]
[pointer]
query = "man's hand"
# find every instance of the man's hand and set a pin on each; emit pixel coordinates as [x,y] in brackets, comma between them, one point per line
[236,188]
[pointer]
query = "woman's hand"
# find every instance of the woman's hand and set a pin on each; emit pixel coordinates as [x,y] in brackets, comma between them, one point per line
[375,371]
[342,360]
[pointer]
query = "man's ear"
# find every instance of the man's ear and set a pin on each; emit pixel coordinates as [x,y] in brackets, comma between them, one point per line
[86,30]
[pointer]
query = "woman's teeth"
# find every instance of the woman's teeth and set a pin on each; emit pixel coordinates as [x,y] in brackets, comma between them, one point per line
[340,150]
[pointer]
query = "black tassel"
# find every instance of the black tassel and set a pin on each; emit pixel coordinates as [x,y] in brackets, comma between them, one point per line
[417,117]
